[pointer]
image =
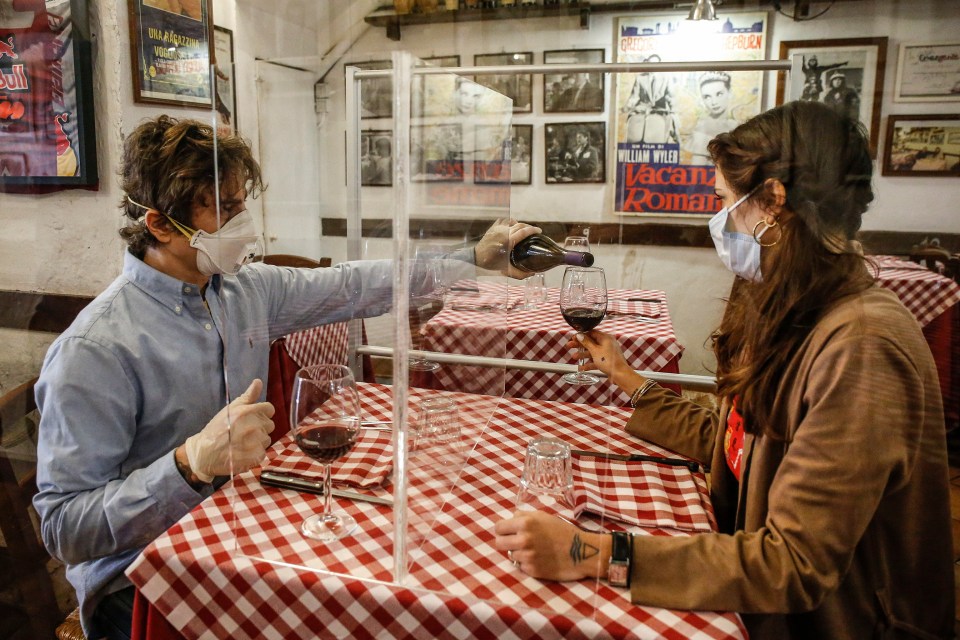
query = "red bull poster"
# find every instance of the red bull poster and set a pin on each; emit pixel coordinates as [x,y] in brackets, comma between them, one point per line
[663,121]
[46,98]
[172,47]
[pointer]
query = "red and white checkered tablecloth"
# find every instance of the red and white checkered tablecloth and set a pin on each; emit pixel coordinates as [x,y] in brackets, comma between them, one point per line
[925,293]
[324,344]
[229,568]
[541,335]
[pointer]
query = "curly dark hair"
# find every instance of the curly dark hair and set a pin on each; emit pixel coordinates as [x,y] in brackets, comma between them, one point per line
[168,165]
[822,158]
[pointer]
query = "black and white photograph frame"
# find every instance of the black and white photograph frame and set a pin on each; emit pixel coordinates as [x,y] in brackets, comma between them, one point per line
[922,145]
[517,87]
[516,158]
[433,95]
[573,92]
[844,73]
[575,152]
[376,158]
[225,89]
[376,94]
[928,73]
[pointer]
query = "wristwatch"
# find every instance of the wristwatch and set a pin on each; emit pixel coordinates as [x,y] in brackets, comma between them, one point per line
[618,572]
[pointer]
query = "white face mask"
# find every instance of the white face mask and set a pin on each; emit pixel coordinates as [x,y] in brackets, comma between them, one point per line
[229,248]
[739,252]
[225,250]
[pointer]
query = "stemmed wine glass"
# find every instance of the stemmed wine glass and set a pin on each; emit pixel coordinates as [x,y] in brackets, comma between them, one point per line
[577,243]
[425,306]
[583,303]
[325,417]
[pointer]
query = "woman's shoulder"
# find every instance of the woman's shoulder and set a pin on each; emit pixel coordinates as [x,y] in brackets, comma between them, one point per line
[874,312]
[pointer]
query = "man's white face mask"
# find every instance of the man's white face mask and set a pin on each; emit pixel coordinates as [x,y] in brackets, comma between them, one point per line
[225,250]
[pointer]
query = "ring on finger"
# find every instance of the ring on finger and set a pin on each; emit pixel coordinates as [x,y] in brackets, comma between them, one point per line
[510,556]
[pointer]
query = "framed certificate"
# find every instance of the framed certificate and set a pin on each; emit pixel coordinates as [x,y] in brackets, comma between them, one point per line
[928,73]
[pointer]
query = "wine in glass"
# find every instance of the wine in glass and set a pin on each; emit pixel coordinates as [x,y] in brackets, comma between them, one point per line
[325,417]
[583,303]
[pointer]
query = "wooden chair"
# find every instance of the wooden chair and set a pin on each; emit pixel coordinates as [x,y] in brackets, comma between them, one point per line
[937,259]
[24,559]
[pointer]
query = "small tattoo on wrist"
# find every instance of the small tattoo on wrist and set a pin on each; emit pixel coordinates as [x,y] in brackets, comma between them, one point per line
[580,550]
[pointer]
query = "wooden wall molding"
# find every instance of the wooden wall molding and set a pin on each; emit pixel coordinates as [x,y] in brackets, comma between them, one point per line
[642,233]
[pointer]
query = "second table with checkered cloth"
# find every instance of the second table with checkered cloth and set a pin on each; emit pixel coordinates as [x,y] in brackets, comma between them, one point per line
[541,335]
[205,578]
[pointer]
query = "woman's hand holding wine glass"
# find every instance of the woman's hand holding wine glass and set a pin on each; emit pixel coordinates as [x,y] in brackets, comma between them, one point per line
[325,417]
[583,303]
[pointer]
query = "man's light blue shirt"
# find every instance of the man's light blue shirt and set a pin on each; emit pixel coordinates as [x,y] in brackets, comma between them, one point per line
[145,366]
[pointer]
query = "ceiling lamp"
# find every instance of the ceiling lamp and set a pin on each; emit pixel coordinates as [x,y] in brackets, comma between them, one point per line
[703,10]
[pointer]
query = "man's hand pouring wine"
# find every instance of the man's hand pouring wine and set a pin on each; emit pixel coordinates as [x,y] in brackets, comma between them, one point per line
[493,250]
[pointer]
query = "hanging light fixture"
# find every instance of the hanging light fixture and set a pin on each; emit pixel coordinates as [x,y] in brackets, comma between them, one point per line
[703,10]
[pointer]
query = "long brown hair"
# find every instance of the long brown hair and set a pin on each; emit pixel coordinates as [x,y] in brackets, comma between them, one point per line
[168,165]
[822,158]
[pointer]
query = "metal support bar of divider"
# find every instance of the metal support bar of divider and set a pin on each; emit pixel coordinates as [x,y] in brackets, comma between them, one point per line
[687,381]
[601,67]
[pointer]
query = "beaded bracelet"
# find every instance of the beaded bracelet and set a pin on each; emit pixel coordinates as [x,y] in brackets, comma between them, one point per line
[642,389]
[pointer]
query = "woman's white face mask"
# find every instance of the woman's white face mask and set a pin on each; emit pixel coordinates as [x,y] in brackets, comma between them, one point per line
[739,252]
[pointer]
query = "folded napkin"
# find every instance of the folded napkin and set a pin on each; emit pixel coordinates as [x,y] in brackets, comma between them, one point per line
[644,494]
[368,464]
[634,307]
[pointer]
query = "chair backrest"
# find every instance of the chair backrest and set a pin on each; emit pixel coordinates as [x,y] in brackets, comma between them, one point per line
[24,558]
[937,259]
[289,260]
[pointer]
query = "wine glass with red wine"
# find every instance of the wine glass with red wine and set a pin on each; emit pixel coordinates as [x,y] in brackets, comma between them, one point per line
[325,417]
[583,303]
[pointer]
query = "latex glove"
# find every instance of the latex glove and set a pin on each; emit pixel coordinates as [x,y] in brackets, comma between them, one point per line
[493,250]
[208,452]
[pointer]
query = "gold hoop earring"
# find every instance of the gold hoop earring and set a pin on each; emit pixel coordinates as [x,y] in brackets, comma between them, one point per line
[768,226]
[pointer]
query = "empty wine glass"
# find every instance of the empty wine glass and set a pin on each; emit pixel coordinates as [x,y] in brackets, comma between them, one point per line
[583,303]
[577,243]
[325,417]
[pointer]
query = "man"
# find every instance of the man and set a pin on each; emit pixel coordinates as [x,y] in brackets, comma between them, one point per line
[841,98]
[813,72]
[588,97]
[583,160]
[651,116]
[133,429]
[716,119]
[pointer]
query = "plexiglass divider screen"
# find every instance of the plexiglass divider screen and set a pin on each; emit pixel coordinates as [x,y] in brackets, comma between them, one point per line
[441,447]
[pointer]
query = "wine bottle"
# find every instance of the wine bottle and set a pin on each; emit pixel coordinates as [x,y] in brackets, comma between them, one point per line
[539,253]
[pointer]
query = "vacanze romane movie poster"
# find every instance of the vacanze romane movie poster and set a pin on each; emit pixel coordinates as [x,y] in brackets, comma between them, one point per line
[663,121]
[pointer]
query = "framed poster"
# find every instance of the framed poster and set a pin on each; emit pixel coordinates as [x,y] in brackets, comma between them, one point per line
[226,91]
[47,137]
[922,145]
[664,120]
[376,158]
[376,94]
[928,73]
[171,46]
[516,87]
[575,152]
[577,92]
[513,164]
[844,73]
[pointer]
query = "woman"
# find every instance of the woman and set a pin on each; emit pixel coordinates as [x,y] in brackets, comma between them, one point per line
[828,456]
